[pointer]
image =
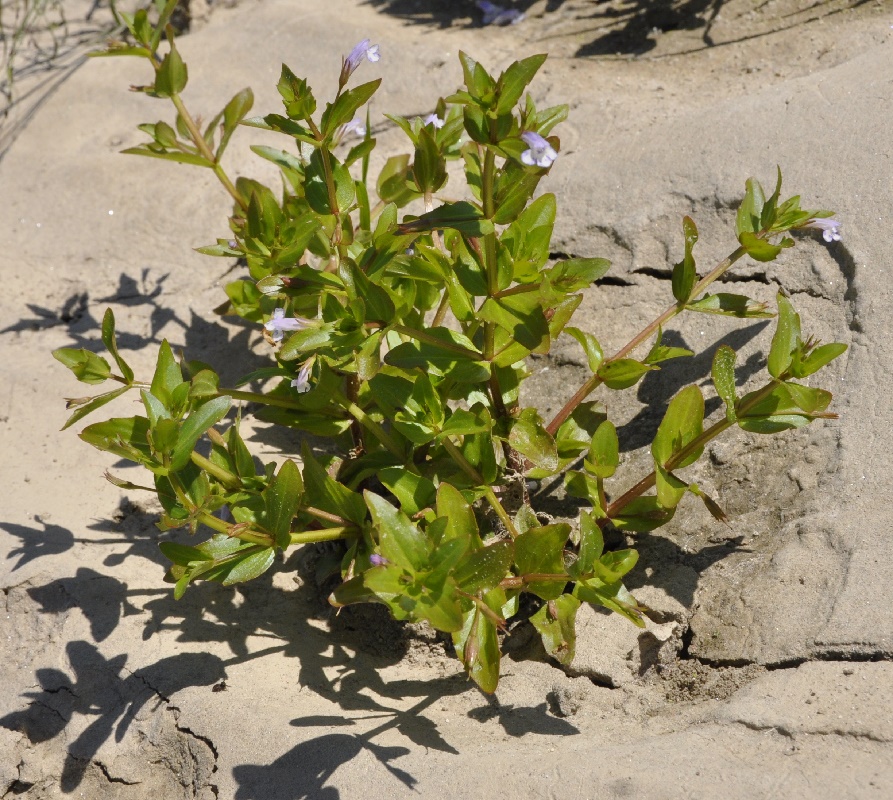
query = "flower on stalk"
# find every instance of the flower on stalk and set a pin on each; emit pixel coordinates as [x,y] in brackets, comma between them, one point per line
[497,15]
[378,561]
[829,226]
[279,323]
[363,50]
[433,119]
[301,384]
[540,154]
[355,126]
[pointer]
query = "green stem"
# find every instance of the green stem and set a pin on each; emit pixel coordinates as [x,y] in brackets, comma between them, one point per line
[325,535]
[329,178]
[442,309]
[234,532]
[443,344]
[478,479]
[199,141]
[677,458]
[373,427]
[326,516]
[225,477]
[533,577]
[594,382]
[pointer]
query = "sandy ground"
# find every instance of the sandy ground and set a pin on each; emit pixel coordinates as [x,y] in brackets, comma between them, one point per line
[766,672]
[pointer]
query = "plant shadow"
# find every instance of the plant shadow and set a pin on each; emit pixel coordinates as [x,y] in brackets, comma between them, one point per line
[339,657]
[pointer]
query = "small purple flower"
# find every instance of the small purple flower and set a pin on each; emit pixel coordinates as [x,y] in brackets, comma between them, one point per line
[279,323]
[363,50]
[378,561]
[540,154]
[355,126]
[301,384]
[433,119]
[232,244]
[497,15]
[829,226]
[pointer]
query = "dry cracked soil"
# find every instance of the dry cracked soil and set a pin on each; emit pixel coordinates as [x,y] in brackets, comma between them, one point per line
[764,671]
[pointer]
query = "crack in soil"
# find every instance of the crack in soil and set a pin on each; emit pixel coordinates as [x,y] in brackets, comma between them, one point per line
[176,712]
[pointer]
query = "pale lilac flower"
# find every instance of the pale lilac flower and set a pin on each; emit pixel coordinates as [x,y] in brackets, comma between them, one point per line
[363,50]
[829,226]
[433,119]
[540,154]
[497,15]
[356,126]
[232,244]
[301,384]
[279,323]
[378,561]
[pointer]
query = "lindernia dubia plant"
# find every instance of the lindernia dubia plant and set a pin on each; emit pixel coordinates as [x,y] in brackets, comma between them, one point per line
[402,338]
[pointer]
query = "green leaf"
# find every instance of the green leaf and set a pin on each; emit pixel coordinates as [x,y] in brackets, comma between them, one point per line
[623,373]
[723,372]
[171,77]
[345,107]
[328,494]
[594,353]
[681,425]
[296,95]
[86,366]
[453,356]
[167,375]
[392,184]
[817,358]
[684,274]
[183,554]
[462,422]
[514,81]
[483,569]
[478,82]
[317,190]
[807,398]
[730,305]
[108,339]
[531,439]
[234,112]
[282,499]
[670,489]
[477,647]
[428,165]
[577,273]
[555,623]
[206,415]
[748,219]
[759,249]
[781,409]
[204,384]
[402,543]
[613,596]
[122,436]
[176,156]
[95,402]
[528,239]
[415,492]
[452,506]
[592,545]
[786,338]
[604,451]
[249,566]
[523,318]
[541,551]
[461,216]
[642,514]
[515,186]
